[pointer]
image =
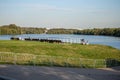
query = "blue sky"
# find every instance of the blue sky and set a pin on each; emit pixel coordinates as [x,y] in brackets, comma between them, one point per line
[61,13]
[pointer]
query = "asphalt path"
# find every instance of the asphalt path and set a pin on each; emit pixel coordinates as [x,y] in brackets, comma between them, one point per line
[18,72]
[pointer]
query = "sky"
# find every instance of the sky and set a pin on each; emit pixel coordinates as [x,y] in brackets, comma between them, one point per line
[76,14]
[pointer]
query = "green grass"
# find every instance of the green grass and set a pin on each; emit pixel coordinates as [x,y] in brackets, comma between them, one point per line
[45,60]
[65,50]
[53,54]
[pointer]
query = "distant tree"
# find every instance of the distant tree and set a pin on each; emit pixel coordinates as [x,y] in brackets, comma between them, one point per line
[14,29]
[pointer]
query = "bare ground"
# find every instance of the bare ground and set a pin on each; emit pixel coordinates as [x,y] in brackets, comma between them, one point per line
[18,72]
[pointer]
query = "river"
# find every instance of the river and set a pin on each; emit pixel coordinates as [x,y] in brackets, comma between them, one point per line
[104,40]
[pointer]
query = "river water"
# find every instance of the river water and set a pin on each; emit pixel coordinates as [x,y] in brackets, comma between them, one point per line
[104,40]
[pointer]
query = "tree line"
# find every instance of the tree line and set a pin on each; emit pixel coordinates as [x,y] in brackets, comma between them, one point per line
[61,31]
[30,30]
[96,31]
[13,29]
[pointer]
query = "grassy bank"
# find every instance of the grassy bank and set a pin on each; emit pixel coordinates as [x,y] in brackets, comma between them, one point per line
[65,50]
[45,60]
[53,54]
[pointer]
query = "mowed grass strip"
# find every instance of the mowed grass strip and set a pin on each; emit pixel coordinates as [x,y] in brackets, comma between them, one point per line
[45,60]
[63,49]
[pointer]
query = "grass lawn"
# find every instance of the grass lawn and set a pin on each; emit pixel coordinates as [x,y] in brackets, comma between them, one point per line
[64,49]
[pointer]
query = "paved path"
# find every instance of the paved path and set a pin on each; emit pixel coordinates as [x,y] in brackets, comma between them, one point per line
[57,73]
